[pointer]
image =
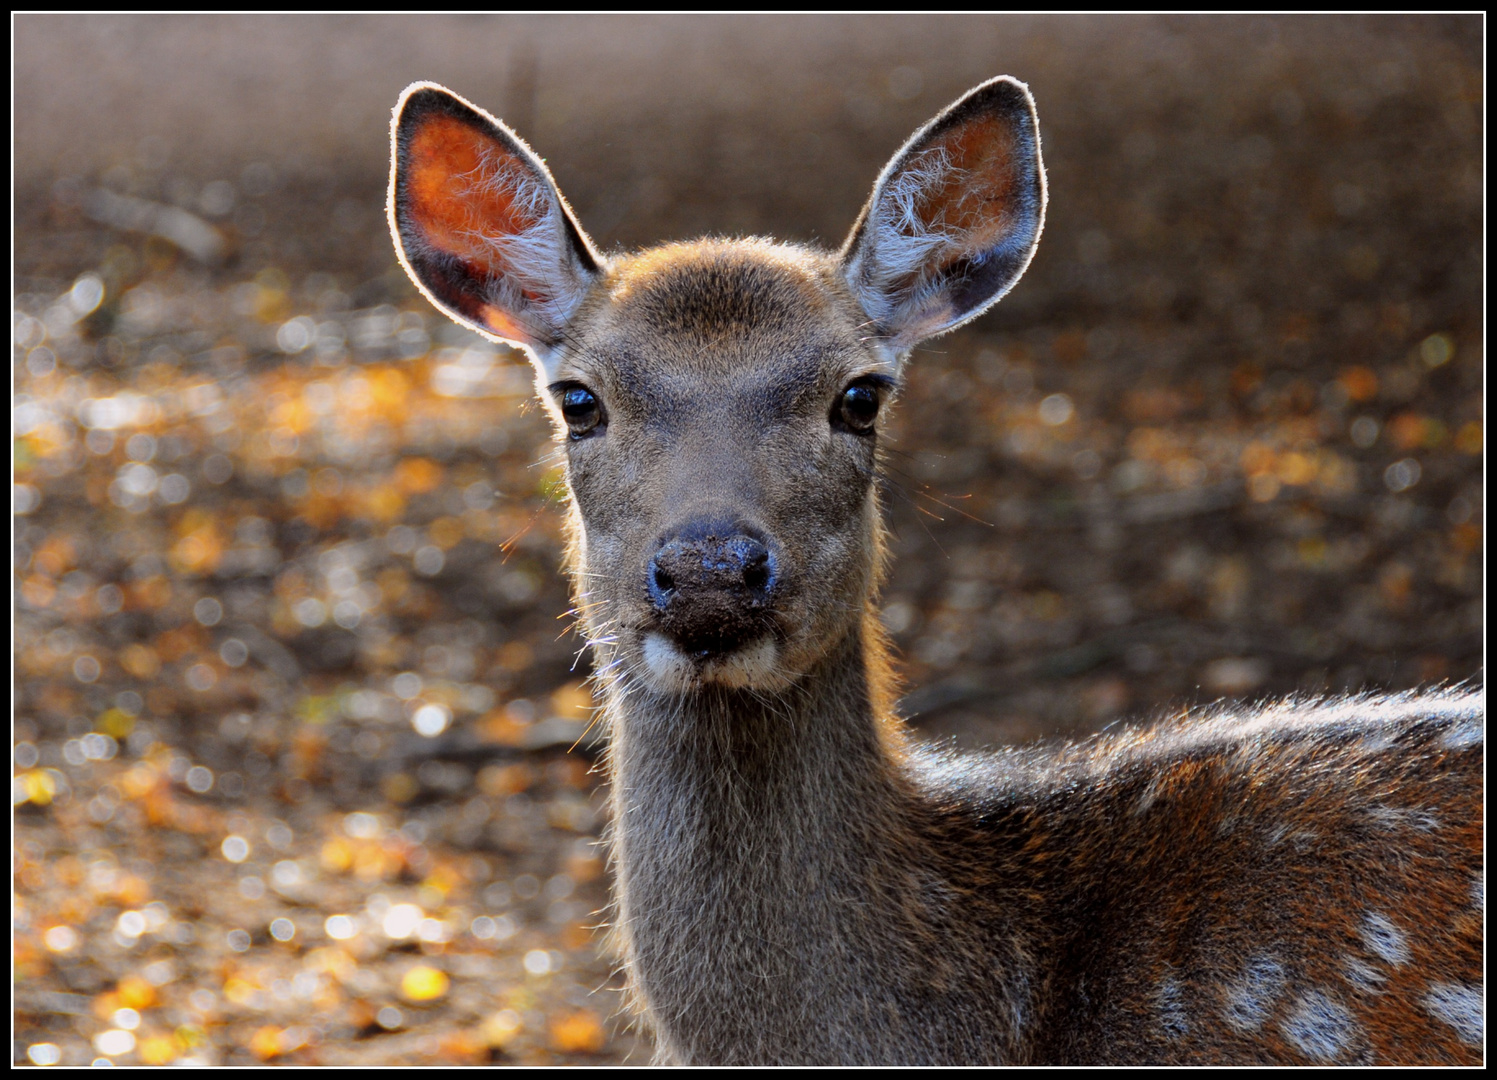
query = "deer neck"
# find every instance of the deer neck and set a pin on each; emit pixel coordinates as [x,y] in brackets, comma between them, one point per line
[702,780]
[758,843]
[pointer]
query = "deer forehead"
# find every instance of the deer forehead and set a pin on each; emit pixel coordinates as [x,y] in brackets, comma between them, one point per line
[750,320]
[712,282]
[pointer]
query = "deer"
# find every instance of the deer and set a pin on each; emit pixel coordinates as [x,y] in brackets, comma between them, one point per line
[796,877]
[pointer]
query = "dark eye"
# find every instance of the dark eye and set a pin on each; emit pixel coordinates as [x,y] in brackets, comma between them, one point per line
[858,407]
[582,411]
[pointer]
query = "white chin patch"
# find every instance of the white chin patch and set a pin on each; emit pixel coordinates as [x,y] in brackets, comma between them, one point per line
[753,666]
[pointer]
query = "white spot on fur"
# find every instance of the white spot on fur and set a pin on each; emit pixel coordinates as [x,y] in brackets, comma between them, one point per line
[1479,892]
[1146,799]
[1251,999]
[1363,975]
[1319,1027]
[1403,817]
[1379,741]
[1469,732]
[1461,1007]
[754,666]
[1299,839]
[1382,936]
[1172,1016]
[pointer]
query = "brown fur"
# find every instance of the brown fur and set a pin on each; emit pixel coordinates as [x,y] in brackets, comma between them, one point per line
[795,879]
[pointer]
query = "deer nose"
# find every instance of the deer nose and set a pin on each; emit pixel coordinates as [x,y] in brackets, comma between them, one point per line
[711,586]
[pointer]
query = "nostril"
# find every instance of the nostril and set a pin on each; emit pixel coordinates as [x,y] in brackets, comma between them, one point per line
[663,581]
[756,568]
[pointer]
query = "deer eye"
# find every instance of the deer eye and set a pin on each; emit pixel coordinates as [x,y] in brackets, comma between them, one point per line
[857,408]
[582,411]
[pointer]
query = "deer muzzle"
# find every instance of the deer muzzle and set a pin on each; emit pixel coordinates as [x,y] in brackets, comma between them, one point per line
[712,587]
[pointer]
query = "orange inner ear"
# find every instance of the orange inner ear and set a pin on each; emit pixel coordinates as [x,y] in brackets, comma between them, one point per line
[975,195]
[502,324]
[457,190]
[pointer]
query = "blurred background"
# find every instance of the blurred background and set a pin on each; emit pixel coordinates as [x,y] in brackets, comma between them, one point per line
[302,759]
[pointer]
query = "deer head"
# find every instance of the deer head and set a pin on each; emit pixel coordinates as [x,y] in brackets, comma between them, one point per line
[720,402]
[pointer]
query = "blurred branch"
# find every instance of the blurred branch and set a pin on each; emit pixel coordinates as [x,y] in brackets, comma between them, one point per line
[186,230]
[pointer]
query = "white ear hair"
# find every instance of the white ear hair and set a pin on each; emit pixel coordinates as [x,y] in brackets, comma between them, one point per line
[954,219]
[533,254]
[900,246]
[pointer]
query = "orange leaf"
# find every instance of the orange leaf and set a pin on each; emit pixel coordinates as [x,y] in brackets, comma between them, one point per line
[424,983]
[577,1033]
[417,475]
[266,1043]
[136,993]
[1360,383]
[157,1050]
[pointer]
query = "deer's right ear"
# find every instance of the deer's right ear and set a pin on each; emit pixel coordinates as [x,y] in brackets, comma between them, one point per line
[479,224]
[954,219]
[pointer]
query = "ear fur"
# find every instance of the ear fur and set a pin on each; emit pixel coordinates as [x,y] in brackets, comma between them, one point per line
[954,218]
[479,224]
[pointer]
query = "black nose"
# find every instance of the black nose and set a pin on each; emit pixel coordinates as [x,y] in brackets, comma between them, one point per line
[711,586]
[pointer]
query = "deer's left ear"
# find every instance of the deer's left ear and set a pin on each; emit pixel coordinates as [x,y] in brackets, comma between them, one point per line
[479,224]
[954,219]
